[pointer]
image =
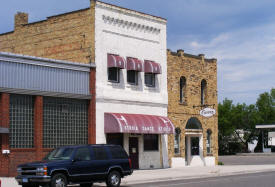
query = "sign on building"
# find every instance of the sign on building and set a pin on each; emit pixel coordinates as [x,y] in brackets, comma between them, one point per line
[208,112]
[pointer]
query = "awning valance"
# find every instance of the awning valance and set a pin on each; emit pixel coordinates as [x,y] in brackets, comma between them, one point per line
[134,64]
[137,123]
[4,130]
[116,61]
[152,67]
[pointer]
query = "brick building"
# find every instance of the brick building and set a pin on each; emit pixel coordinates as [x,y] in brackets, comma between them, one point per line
[192,106]
[129,50]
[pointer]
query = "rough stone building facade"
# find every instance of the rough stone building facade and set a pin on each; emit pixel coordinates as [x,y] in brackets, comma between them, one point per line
[187,75]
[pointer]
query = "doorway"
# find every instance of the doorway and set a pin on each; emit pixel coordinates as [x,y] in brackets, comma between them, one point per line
[133,152]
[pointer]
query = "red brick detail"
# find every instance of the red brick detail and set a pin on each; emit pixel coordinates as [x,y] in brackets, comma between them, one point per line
[38,126]
[91,110]
[5,121]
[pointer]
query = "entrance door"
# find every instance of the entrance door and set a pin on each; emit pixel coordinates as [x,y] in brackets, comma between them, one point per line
[133,151]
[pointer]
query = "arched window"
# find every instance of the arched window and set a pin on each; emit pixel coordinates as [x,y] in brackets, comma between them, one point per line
[208,141]
[182,89]
[203,91]
[177,141]
[193,123]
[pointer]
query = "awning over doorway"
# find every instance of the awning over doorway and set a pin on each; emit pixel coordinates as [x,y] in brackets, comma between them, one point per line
[137,123]
[4,130]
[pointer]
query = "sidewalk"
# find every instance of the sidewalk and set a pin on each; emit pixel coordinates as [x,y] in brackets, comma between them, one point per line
[146,176]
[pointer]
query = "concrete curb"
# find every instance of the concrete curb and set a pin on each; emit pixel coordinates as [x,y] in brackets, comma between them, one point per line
[210,175]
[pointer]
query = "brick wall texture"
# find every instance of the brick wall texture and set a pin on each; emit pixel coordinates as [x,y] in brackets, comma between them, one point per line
[63,37]
[194,69]
[68,37]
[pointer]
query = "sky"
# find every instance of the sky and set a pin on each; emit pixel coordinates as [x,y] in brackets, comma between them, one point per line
[239,33]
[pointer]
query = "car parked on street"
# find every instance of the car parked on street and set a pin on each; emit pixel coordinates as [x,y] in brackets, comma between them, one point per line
[81,164]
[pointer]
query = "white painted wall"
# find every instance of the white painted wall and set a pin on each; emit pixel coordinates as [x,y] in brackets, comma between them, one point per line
[130,34]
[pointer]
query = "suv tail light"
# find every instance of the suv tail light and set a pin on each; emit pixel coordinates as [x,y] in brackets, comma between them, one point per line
[130,163]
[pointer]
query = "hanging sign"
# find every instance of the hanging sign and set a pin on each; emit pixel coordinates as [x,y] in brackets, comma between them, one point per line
[208,112]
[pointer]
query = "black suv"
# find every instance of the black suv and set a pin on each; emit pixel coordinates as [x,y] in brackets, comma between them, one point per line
[82,164]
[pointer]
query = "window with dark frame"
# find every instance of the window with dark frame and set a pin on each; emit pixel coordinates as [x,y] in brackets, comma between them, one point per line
[182,89]
[113,74]
[177,141]
[132,77]
[208,141]
[149,79]
[203,91]
[151,142]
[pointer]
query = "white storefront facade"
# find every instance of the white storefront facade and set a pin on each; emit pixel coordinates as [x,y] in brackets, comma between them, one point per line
[128,45]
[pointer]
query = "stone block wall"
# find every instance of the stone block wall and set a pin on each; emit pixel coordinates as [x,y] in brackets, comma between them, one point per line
[194,69]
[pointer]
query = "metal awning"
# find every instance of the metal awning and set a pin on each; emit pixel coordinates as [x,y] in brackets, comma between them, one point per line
[116,61]
[134,64]
[4,130]
[137,123]
[269,126]
[152,67]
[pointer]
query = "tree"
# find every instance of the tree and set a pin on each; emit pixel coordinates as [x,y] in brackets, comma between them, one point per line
[237,122]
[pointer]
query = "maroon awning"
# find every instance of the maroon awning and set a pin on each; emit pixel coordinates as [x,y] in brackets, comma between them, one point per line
[116,61]
[152,67]
[134,64]
[137,123]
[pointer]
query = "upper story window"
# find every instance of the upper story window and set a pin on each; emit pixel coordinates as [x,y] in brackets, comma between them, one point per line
[203,91]
[182,90]
[149,79]
[115,63]
[151,69]
[132,77]
[134,66]
[114,74]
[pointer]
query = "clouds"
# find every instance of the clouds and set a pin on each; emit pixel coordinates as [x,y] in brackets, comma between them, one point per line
[246,60]
[239,33]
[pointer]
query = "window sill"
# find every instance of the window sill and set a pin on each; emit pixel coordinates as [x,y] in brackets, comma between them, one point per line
[183,103]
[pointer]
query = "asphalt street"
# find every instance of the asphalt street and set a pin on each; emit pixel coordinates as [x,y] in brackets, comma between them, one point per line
[266,179]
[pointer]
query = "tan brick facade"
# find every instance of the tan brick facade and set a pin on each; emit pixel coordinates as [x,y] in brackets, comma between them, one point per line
[194,69]
[64,37]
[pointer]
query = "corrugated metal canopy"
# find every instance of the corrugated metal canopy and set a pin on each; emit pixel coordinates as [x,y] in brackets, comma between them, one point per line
[4,130]
[40,76]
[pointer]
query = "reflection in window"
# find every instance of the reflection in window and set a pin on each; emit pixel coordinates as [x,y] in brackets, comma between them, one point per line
[208,141]
[177,141]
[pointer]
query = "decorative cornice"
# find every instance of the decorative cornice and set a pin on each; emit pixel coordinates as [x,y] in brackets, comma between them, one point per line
[130,25]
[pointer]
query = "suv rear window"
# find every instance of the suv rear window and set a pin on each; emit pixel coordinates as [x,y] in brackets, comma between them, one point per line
[118,153]
[100,153]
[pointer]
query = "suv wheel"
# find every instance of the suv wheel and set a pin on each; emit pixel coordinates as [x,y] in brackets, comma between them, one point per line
[59,180]
[86,185]
[113,179]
